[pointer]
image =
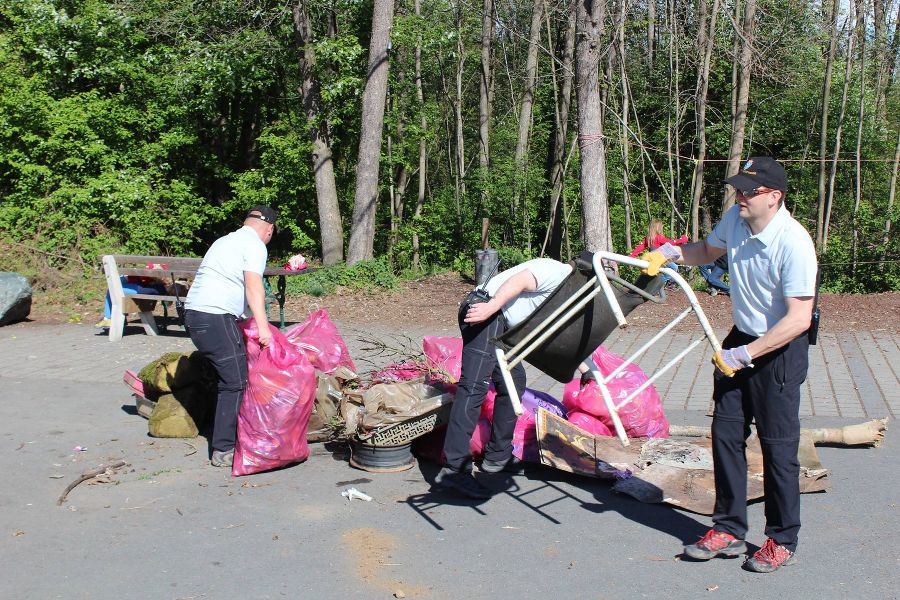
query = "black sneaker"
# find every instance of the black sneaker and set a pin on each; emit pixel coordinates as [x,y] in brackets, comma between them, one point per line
[463,482]
[511,465]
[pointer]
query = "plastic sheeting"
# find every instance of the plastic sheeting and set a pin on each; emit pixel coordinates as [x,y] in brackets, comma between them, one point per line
[388,403]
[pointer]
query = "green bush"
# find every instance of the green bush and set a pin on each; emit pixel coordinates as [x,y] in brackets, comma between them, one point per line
[365,275]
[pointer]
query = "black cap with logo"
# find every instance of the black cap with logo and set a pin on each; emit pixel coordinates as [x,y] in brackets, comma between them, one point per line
[263,213]
[760,171]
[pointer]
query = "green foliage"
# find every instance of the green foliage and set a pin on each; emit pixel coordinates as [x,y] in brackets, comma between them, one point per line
[149,126]
[365,275]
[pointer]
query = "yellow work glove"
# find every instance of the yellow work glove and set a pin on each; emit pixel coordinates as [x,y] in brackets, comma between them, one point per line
[732,360]
[659,257]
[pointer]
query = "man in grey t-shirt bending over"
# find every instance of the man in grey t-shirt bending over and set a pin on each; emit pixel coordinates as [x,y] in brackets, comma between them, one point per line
[514,295]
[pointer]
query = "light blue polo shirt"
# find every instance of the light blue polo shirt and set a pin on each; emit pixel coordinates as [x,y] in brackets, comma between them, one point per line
[777,263]
[219,285]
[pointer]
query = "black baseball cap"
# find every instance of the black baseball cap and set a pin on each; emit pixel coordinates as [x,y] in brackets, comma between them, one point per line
[263,213]
[759,171]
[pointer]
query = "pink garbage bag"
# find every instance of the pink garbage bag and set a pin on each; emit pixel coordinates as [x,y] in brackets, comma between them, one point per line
[524,442]
[480,437]
[276,407]
[589,423]
[444,355]
[525,446]
[319,340]
[642,417]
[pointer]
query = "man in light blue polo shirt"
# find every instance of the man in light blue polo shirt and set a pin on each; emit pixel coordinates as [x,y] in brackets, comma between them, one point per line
[763,363]
[228,287]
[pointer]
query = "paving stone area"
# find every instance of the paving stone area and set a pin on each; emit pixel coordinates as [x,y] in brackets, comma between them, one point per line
[851,376]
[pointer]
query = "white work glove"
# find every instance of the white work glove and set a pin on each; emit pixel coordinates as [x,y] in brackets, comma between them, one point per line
[732,360]
[662,255]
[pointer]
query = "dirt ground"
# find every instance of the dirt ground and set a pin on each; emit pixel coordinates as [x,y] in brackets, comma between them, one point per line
[433,302]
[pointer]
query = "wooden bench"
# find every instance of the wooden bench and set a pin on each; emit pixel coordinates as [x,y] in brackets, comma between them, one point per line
[118,265]
[181,267]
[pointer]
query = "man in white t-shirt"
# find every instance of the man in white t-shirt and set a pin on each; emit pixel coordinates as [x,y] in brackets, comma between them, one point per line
[228,287]
[765,357]
[513,295]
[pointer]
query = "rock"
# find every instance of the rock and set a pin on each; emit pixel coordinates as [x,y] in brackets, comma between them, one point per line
[15,298]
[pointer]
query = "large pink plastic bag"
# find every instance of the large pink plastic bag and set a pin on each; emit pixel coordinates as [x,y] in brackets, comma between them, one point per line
[319,340]
[589,423]
[525,446]
[444,355]
[480,437]
[642,417]
[276,407]
[524,442]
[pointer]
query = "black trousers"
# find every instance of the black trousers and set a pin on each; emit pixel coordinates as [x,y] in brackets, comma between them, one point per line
[218,338]
[769,393]
[479,368]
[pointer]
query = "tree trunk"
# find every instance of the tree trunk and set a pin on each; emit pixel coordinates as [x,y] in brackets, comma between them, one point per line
[880,15]
[365,201]
[563,104]
[742,98]
[709,40]
[330,227]
[623,137]
[398,183]
[595,208]
[420,197]
[484,99]
[823,135]
[651,32]
[895,50]
[829,199]
[861,26]
[673,139]
[531,65]
[460,189]
[891,195]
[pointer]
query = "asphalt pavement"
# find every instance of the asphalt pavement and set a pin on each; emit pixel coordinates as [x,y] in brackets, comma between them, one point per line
[171,526]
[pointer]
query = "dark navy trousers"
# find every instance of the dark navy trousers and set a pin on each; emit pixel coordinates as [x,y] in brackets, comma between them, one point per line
[219,339]
[479,368]
[768,393]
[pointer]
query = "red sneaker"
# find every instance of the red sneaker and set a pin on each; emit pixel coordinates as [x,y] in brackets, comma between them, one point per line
[715,543]
[770,557]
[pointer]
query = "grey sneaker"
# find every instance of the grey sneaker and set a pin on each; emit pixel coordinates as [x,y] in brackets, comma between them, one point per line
[716,543]
[222,458]
[462,482]
[511,465]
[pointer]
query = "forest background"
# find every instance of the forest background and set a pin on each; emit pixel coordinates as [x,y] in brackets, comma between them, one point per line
[385,131]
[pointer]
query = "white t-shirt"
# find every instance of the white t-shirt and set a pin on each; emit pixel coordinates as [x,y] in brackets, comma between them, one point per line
[777,263]
[547,272]
[219,285]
